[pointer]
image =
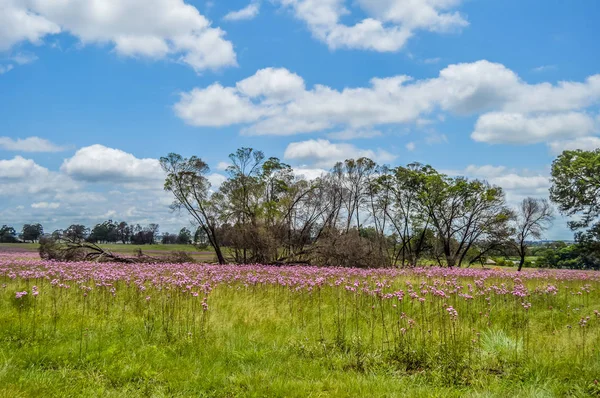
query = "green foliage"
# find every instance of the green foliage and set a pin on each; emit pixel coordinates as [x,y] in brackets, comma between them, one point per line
[32,232]
[576,256]
[576,185]
[8,234]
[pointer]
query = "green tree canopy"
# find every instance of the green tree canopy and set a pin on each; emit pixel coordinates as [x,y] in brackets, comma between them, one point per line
[576,185]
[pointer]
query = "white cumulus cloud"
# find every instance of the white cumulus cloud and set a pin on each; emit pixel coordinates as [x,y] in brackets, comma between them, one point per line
[583,143]
[246,13]
[276,101]
[387,26]
[45,205]
[516,128]
[142,28]
[97,163]
[30,144]
[324,154]
[20,176]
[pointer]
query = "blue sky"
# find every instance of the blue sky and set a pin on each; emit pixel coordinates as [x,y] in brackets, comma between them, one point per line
[93,92]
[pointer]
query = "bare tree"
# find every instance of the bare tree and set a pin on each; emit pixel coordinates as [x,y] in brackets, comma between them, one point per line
[533,218]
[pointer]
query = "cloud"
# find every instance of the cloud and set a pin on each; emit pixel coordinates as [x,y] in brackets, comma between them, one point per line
[18,23]
[388,24]
[160,28]
[246,13]
[411,146]
[431,61]
[544,68]
[434,138]
[97,163]
[20,176]
[354,134]
[584,143]
[216,180]
[324,154]
[30,144]
[24,58]
[57,200]
[6,68]
[517,184]
[309,173]
[275,101]
[485,171]
[516,128]
[223,166]
[216,106]
[18,59]
[514,181]
[45,205]
[274,85]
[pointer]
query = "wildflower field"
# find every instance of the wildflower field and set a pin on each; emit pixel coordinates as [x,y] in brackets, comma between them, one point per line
[103,329]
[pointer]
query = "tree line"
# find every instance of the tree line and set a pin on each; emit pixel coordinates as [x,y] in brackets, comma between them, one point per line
[108,231]
[357,214]
[361,214]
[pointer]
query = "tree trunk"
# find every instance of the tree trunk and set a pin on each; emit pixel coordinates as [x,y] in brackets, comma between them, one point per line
[450,261]
[219,254]
[521,262]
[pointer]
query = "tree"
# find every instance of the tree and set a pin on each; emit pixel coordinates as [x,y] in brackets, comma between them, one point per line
[186,180]
[533,218]
[123,232]
[152,233]
[76,232]
[105,232]
[576,185]
[465,214]
[576,191]
[588,246]
[32,232]
[144,235]
[397,197]
[8,234]
[244,194]
[200,238]
[184,237]
[168,239]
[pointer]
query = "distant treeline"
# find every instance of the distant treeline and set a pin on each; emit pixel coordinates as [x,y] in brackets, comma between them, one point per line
[106,232]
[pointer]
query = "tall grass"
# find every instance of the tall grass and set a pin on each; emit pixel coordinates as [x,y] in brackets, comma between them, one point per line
[166,330]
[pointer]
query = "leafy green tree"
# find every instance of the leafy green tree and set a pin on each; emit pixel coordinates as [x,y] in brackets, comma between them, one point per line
[465,214]
[123,232]
[32,232]
[576,256]
[105,232]
[168,239]
[576,191]
[397,192]
[8,234]
[184,237]
[588,245]
[76,232]
[576,185]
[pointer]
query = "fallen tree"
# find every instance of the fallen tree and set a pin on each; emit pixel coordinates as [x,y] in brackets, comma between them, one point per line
[65,249]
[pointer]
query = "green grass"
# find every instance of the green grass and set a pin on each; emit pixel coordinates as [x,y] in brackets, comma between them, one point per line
[20,246]
[266,341]
[157,250]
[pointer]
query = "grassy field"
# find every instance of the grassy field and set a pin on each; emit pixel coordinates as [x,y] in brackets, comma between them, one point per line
[204,255]
[115,330]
